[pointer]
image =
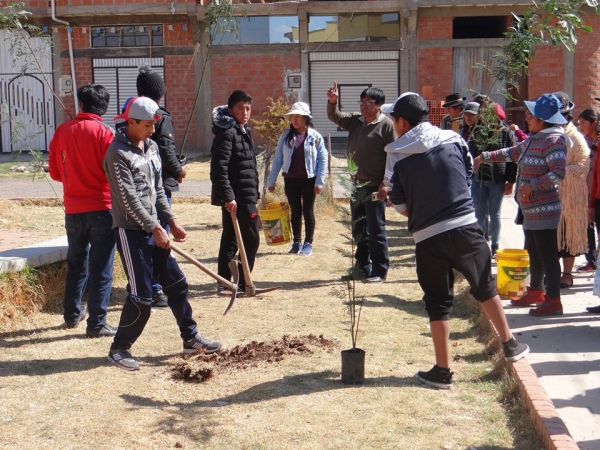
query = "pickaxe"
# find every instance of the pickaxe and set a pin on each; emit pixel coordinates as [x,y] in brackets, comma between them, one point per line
[250,289]
[233,287]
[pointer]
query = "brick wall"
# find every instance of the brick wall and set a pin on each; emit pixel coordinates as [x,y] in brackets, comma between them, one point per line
[30,4]
[105,2]
[177,35]
[434,73]
[261,76]
[546,71]
[587,67]
[434,65]
[181,91]
[83,66]
[434,28]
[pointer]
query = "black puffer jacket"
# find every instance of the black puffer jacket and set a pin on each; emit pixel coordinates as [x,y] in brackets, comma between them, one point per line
[233,163]
[164,137]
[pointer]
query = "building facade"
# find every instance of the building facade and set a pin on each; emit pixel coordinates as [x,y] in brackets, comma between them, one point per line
[294,49]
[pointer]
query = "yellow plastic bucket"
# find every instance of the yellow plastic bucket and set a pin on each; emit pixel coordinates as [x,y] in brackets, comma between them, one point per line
[276,223]
[513,272]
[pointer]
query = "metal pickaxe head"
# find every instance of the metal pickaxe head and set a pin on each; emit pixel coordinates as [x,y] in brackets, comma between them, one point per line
[235,274]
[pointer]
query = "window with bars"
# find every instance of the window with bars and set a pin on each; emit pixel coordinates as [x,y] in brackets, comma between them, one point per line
[127,36]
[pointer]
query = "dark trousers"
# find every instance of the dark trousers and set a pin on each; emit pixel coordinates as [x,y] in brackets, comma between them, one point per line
[140,256]
[542,246]
[590,256]
[90,259]
[464,249]
[247,216]
[300,193]
[156,287]
[368,231]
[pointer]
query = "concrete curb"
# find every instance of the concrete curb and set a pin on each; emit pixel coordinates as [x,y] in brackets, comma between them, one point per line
[548,423]
[36,255]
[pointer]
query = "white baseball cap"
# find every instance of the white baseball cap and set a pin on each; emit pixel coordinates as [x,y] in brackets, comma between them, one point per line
[140,108]
[299,108]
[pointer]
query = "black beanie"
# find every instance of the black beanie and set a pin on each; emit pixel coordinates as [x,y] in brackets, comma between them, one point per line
[412,107]
[150,84]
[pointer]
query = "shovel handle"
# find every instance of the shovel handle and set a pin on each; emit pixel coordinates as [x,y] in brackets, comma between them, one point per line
[203,268]
[243,257]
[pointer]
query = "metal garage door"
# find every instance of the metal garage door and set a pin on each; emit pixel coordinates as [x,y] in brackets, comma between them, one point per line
[26,101]
[469,77]
[118,76]
[354,72]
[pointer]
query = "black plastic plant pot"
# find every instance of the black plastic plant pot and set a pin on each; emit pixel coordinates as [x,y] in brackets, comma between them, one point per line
[353,366]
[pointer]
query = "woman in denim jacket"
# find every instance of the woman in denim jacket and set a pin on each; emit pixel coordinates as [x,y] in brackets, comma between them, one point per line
[302,155]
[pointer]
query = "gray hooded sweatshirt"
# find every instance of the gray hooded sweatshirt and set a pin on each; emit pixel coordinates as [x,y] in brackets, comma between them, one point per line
[136,188]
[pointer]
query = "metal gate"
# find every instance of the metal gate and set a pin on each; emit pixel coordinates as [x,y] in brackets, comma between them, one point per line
[469,77]
[26,101]
[118,76]
[354,72]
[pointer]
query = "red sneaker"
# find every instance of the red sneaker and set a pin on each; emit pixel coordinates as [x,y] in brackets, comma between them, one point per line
[551,307]
[588,267]
[531,297]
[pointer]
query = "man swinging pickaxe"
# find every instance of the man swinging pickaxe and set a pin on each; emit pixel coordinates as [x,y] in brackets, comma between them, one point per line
[250,289]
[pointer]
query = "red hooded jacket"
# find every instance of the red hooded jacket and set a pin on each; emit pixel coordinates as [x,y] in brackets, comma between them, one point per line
[77,151]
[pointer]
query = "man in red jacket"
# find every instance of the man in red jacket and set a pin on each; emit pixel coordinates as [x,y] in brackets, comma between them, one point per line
[76,154]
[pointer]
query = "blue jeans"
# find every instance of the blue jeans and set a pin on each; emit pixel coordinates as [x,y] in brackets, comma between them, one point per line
[93,265]
[368,231]
[487,199]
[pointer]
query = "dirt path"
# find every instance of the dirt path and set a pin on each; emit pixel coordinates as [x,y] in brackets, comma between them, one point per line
[12,188]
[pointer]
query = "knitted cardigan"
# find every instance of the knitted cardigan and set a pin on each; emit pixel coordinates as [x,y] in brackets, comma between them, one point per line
[541,162]
[573,190]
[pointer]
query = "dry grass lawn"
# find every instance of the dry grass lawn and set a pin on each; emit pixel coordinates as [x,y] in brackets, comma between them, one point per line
[58,391]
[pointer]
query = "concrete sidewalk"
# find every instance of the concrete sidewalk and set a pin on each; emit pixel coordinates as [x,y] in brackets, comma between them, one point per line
[565,350]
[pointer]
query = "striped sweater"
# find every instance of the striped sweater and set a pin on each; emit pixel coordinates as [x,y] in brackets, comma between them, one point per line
[541,162]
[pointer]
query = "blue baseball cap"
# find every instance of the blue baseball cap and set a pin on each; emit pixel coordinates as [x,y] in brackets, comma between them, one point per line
[547,108]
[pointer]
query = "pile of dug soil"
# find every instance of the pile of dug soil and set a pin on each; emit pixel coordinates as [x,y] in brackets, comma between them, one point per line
[199,367]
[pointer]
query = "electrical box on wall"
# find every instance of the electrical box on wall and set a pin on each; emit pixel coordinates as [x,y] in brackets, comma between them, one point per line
[65,85]
[294,81]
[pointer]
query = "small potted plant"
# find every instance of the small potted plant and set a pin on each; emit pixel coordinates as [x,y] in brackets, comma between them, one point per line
[353,359]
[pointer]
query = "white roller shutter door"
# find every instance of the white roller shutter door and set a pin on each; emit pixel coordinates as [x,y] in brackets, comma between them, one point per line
[352,77]
[118,76]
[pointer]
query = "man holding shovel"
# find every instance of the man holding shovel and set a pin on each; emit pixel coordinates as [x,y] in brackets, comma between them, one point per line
[133,168]
[235,182]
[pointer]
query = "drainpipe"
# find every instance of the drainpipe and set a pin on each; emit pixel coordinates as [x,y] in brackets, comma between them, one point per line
[72,60]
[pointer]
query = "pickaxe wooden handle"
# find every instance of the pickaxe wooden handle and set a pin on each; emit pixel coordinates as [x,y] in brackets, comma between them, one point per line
[249,289]
[233,287]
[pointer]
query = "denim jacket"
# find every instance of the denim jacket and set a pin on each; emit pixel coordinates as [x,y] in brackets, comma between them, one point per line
[315,157]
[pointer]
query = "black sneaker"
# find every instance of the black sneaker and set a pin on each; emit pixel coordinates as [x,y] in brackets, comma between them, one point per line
[159,300]
[72,323]
[123,360]
[296,247]
[514,351]
[105,331]
[199,342]
[436,377]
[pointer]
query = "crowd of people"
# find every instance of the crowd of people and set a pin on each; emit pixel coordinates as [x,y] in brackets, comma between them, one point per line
[118,187]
